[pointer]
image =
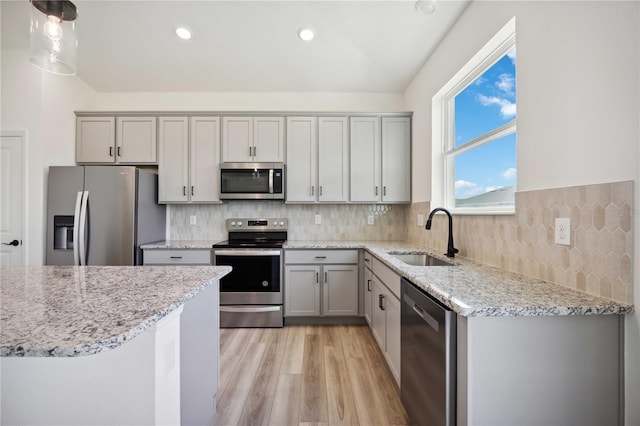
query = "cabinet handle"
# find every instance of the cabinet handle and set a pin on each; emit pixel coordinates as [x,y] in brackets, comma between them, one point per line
[376,190]
[175,257]
[317,278]
[184,190]
[250,152]
[320,189]
[119,152]
[321,257]
[368,285]
[366,260]
[255,151]
[192,190]
[380,299]
[110,151]
[313,190]
[325,277]
[384,191]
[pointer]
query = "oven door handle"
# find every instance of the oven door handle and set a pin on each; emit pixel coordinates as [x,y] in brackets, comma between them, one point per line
[243,252]
[250,308]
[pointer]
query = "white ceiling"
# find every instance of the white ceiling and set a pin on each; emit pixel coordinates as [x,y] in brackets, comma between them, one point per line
[247,46]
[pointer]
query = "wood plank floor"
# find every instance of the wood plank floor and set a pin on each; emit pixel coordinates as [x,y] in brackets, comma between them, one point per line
[305,375]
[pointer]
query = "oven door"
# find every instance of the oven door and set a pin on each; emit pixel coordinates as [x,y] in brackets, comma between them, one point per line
[256,277]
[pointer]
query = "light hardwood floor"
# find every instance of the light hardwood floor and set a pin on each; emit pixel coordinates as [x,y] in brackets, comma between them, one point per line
[305,375]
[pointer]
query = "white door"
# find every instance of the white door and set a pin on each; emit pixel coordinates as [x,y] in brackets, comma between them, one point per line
[237,139]
[204,166]
[268,139]
[11,199]
[365,159]
[340,290]
[396,159]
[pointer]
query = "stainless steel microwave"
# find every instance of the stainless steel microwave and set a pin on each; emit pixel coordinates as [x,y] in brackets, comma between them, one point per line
[252,181]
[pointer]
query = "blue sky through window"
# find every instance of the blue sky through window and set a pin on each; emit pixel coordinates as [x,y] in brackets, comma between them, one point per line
[486,104]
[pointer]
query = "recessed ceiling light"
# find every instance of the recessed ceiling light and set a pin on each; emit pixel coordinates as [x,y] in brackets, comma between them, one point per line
[426,7]
[183,33]
[306,33]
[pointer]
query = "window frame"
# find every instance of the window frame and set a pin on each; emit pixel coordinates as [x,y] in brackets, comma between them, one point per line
[444,150]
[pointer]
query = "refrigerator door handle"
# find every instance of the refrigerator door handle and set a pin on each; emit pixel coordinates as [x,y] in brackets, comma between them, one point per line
[83,229]
[76,229]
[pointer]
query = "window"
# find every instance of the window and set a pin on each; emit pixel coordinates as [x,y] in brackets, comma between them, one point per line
[475,121]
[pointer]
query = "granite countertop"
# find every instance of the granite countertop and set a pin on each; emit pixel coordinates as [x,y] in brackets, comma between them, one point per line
[179,244]
[473,289]
[65,311]
[468,288]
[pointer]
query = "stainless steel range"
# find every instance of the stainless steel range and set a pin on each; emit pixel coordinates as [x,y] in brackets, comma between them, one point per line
[251,295]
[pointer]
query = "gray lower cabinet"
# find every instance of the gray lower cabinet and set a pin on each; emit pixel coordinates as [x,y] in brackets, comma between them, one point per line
[321,283]
[176,257]
[382,294]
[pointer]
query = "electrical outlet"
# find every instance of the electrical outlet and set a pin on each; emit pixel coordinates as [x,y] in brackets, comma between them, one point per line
[563,231]
[318,219]
[192,219]
[420,220]
[370,219]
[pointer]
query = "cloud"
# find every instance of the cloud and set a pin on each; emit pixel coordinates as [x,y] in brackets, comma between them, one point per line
[509,174]
[460,184]
[506,83]
[466,189]
[479,81]
[492,188]
[507,108]
[512,55]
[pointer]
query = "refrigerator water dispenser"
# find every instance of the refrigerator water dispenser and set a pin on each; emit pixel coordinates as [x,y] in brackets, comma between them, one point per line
[63,232]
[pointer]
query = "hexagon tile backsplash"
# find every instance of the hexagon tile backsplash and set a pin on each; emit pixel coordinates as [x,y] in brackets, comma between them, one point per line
[598,261]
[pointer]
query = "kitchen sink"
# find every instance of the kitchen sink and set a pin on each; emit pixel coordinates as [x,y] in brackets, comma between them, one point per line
[420,259]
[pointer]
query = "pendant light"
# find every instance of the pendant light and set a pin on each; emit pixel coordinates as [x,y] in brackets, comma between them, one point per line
[54,42]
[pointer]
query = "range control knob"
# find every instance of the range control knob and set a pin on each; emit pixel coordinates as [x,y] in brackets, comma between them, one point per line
[233,224]
[239,223]
[281,223]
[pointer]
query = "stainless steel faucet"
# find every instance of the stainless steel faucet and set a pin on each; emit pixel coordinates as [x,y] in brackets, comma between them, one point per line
[451,250]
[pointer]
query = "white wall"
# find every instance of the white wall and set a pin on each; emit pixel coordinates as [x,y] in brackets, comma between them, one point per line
[578,95]
[233,101]
[43,105]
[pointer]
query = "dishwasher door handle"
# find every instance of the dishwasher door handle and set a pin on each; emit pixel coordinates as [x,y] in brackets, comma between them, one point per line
[433,323]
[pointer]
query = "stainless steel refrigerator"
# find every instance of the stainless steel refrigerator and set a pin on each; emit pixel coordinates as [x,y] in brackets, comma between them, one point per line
[100,215]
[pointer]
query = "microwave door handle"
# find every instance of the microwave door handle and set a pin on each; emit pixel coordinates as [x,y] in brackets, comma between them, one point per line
[270,181]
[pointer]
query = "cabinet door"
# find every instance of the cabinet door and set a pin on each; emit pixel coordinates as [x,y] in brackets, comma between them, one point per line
[396,159]
[237,139]
[365,159]
[268,139]
[204,170]
[379,314]
[340,290]
[136,140]
[301,159]
[368,296]
[173,164]
[95,139]
[392,306]
[302,290]
[333,159]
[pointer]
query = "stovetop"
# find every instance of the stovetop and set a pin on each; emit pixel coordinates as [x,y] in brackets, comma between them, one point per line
[255,233]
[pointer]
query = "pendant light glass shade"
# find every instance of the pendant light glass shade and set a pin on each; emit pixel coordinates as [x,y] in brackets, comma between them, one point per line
[54,42]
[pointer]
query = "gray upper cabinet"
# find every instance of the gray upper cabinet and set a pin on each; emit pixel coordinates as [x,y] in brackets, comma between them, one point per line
[396,160]
[116,140]
[333,159]
[188,166]
[381,159]
[302,159]
[252,139]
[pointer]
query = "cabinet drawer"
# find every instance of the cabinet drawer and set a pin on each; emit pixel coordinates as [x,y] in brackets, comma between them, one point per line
[390,279]
[320,256]
[177,257]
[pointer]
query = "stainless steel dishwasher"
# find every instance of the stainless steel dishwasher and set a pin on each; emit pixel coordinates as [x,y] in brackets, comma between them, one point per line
[428,351]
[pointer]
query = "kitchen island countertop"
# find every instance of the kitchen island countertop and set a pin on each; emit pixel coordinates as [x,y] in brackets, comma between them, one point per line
[64,311]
